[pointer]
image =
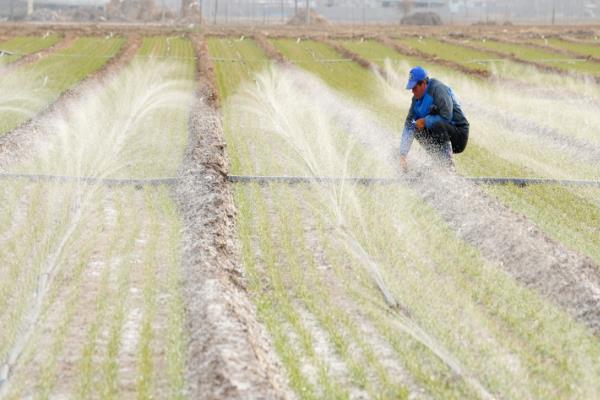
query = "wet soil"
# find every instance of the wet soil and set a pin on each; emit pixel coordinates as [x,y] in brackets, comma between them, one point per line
[518,246]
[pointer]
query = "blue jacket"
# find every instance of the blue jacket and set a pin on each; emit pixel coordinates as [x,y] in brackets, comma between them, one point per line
[438,104]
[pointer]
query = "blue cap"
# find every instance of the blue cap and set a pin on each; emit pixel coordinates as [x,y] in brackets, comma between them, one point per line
[416,74]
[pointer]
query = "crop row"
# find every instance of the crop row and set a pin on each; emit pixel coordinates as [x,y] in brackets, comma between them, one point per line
[21,46]
[583,49]
[27,90]
[92,306]
[312,256]
[484,54]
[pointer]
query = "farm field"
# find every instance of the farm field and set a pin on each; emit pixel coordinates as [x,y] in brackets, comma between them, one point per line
[145,256]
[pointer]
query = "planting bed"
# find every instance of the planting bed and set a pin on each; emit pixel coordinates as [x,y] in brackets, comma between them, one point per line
[29,89]
[533,54]
[18,47]
[583,49]
[471,58]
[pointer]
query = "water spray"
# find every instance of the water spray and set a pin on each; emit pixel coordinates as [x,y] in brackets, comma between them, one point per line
[96,138]
[321,139]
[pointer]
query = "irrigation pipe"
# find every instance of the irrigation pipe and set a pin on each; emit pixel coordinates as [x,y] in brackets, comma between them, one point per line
[409,178]
[90,180]
[484,180]
[101,57]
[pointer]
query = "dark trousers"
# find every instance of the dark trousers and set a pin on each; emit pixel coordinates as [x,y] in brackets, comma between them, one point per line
[433,139]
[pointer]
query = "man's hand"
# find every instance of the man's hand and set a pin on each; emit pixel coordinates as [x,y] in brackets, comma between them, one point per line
[404,164]
[420,124]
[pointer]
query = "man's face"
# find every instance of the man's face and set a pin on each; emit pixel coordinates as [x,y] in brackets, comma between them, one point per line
[419,90]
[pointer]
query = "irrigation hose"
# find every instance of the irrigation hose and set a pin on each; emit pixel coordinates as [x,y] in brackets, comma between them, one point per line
[484,180]
[168,181]
[90,180]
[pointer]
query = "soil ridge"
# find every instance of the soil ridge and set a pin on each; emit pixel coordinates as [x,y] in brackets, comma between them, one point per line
[229,354]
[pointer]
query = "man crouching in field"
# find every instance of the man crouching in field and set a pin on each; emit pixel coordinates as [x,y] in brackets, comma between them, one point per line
[435,119]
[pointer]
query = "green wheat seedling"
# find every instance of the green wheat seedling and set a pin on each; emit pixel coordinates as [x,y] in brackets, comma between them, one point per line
[149,292]
[49,376]
[109,382]
[311,291]
[285,303]
[583,49]
[268,304]
[86,360]
[531,53]
[175,334]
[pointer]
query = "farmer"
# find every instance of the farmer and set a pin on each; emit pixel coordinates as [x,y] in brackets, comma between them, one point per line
[435,119]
